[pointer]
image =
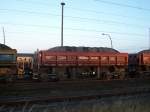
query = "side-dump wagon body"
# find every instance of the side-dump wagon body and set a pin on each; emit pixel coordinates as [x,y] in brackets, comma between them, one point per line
[82,59]
[82,64]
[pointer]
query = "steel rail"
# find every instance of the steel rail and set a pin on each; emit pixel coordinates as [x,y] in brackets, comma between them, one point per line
[112,93]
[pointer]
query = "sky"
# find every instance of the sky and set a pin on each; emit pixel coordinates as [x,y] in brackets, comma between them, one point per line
[36,24]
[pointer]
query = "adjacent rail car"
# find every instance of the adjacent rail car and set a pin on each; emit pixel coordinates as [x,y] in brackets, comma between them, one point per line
[8,69]
[87,64]
[144,64]
[25,66]
[139,64]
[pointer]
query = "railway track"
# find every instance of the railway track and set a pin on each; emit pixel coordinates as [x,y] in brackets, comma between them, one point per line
[33,83]
[71,85]
[49,99]
[20,93]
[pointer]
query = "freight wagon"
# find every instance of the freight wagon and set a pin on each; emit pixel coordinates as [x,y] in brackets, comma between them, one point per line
[144,63]
[8,69]
[73,63]
[139,64]
[25,65]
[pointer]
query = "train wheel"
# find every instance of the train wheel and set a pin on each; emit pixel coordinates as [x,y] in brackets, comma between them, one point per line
[10,78]
[109,76]
[44,77]
[122,76]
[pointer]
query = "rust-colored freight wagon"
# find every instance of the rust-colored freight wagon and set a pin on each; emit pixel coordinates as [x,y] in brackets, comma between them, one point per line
[144,64]
[139,64]
[47,58]
[83,64]
[144,59]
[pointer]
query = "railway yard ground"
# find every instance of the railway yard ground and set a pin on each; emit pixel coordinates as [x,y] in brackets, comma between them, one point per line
[131,95]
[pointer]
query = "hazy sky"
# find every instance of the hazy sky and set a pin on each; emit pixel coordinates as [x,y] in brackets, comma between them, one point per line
[32,24]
